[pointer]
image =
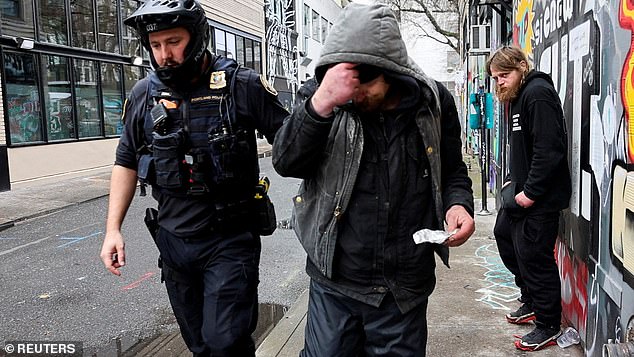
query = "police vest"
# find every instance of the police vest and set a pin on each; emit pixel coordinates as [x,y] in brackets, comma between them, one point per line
[197,144]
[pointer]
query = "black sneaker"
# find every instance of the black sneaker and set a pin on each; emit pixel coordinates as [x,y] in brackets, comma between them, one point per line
[523,315]
[540,337]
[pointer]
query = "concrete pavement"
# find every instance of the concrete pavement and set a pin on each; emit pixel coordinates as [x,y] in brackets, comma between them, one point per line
[466,311]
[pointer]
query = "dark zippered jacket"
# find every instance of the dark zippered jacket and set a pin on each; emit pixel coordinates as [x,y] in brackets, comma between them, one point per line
[327,154]
[538,162]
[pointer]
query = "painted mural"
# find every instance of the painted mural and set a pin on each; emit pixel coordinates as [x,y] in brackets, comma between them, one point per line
[587,47]
[281,49]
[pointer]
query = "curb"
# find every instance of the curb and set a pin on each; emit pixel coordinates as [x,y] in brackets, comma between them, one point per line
[6,225]
[287,336]
[13,222]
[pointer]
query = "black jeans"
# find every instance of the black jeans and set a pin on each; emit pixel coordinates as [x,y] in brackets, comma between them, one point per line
[339,326]
[212,287]
[527,247]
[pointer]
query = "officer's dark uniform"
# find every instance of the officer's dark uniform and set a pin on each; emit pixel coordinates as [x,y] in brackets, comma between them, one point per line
[201,161]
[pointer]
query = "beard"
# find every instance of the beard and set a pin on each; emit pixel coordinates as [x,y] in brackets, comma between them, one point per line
[366,105]
[507,95]
[170,64]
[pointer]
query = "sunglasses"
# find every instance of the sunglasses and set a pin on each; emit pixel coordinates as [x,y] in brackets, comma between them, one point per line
[368,73]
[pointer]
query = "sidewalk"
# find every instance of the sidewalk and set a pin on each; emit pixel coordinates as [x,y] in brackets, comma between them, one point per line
[465,314]
[466,311]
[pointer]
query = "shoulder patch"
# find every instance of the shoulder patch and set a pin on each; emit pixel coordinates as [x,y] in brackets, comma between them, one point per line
[125,106]
[269,88]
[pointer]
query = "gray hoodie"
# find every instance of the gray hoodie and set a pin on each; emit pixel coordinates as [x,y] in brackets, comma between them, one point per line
[370,34]
[327,153]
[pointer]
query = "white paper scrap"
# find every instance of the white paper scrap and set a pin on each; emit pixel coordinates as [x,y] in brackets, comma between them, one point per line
[431,236]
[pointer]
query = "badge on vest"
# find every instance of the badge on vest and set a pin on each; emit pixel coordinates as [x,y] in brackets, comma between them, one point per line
[269,88]
[217,80]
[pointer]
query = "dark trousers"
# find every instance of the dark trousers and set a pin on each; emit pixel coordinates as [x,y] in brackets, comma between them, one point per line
[339,326]
[212,287]
[527,247]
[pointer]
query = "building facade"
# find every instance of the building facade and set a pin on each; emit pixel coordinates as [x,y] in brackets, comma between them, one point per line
[295,33]
[67,67]
[315,18]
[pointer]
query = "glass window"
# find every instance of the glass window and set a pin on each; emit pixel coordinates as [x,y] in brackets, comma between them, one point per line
[231,45]
[22,98]
[131,75]
[315,27]
[248,44]
[58,98]
[10,8]
[108,26]
[257,57]
[112,98]
[52,17]
[87,98]
[131,46]
[221,44]
[324,30]
[306,21]
[82,24]
[17,18]
[240,49]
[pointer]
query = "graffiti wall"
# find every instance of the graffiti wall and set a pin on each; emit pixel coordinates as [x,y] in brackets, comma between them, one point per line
[586,46]
[281,49]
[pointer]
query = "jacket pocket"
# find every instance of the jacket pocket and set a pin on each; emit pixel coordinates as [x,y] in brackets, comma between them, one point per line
[508,198]
[313,221]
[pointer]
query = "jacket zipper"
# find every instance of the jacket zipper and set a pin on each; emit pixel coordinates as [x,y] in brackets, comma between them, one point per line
[346,190]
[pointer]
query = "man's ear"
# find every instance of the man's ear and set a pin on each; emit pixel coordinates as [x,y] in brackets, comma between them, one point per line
[523,66]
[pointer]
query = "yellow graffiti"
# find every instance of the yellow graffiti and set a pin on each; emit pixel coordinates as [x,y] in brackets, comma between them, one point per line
[524,22]
[626,19]
[623,217]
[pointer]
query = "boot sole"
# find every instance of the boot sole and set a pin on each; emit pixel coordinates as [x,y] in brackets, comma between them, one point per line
[521,320]
[519,346]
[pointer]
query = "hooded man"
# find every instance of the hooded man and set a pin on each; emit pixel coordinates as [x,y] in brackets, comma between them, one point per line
[368,140]
[537,188]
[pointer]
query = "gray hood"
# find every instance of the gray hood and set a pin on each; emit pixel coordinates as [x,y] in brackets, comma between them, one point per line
[370,34]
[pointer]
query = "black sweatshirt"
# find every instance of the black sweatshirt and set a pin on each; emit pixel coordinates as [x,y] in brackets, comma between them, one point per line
[538,140]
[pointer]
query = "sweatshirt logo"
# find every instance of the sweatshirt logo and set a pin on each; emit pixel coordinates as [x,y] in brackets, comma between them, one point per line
[515,124]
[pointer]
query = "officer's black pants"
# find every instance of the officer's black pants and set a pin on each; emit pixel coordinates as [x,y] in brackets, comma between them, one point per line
[212,287]
[527,247]
[339,326]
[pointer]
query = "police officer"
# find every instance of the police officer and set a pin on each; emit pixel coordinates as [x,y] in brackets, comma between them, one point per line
[190,133]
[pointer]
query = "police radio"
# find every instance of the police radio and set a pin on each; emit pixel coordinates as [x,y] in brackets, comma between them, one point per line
[158,115]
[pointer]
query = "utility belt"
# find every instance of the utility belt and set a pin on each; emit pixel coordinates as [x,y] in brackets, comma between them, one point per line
[255,214]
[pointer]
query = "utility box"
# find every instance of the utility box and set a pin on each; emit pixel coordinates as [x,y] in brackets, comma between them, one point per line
[474,110]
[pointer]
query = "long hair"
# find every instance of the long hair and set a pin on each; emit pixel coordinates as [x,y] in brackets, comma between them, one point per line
[508,59]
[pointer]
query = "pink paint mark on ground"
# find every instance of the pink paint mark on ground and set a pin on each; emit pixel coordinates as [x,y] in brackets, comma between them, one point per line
[138,282]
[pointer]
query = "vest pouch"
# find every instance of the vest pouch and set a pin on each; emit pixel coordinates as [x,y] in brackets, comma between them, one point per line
[267,222]
[167,153]
[232,216]
[223,158]
[145,168]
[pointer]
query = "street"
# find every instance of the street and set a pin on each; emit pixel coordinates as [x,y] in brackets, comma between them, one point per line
[56,288]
